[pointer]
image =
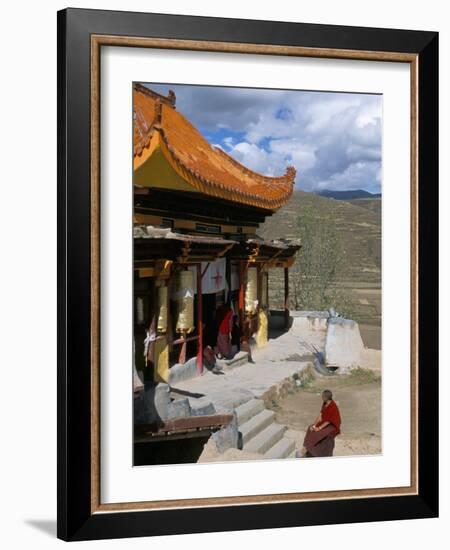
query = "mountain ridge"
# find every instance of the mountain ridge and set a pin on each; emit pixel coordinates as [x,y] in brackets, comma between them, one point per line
[348,194]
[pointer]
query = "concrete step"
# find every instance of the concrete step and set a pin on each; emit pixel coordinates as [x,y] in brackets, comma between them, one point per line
[266,439]
[282,449]
[201,406]
[255,424]
[240,358]
[245,411]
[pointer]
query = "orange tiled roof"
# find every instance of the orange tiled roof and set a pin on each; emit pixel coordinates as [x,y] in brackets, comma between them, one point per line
[207,168]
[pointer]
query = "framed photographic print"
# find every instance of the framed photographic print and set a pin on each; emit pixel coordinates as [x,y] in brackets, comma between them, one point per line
[247,274]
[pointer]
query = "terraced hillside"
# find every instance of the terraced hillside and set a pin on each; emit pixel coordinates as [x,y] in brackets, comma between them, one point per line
[358,223]
[374,205]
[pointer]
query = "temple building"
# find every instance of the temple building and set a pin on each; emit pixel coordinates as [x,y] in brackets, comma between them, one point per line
[196,245]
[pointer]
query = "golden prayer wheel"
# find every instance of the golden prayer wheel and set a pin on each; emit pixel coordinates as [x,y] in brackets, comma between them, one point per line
[185,299]
[251,291]
[139,310]
[161,373]
[263,327]
[162,309]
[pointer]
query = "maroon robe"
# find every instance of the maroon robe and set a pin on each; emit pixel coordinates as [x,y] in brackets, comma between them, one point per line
[321,443]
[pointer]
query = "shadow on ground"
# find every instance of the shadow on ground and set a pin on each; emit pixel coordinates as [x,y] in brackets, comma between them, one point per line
[47,526]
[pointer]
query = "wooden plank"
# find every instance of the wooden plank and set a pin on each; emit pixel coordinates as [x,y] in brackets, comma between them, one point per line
[184,424]
[173,436]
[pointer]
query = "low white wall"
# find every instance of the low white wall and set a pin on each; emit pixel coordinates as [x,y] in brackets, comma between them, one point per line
[311,323]
[344,347]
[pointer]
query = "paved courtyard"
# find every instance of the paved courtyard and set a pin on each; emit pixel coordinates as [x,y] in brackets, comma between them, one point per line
[279,360]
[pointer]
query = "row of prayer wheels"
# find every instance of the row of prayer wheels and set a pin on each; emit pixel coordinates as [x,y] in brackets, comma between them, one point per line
[184,293]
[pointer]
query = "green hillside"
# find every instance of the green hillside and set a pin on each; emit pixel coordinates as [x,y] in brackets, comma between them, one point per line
[358,225]
[372,204]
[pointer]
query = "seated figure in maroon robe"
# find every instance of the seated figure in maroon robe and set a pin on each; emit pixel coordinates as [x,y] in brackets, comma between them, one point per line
[319,438]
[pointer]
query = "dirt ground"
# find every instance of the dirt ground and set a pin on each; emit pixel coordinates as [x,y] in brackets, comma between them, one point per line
[211,454]
[359,399]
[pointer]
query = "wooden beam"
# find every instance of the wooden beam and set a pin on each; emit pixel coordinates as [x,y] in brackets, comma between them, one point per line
[271,262]
[174,436]
[184,204]
[182,340]
[225,250]
[182,355]
[182,425]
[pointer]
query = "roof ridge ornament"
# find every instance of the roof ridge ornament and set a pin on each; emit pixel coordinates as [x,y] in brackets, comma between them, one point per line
[170,100]
[290,173]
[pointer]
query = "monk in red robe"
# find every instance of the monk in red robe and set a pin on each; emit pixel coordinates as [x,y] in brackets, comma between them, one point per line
[224,321]
[319,438]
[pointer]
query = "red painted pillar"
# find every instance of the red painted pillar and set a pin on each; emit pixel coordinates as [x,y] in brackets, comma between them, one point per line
[183,349]
[199,320]
[241,292]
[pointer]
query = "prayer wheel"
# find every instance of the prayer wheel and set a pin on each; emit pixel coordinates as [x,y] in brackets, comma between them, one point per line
[161,373]
[251,291]
[263,324]
[185,299]
[162,309]
[139,311]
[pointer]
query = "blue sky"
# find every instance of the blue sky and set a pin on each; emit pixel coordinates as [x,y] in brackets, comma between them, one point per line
[332,139]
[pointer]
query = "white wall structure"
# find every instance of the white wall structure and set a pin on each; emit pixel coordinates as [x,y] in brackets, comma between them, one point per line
[311,320]
[343,345]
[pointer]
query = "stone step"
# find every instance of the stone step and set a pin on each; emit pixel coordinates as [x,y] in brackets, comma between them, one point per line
[255,424]
[239,359]
[201,406]
[282,449]
[245,411]
[266,439]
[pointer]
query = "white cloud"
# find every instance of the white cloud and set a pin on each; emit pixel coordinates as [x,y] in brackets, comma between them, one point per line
[333,139]
[355,176]
[258,159]
[228,141]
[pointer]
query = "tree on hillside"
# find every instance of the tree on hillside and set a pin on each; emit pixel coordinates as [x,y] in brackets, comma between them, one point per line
[320,260]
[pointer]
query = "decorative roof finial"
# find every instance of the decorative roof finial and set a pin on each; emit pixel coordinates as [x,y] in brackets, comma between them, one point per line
[172,97]
[291,172]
